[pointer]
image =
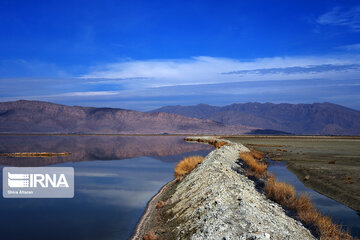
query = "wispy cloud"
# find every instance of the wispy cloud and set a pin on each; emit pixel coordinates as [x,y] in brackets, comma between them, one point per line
[148,84]
[350,47]
[297,69]
[342,17]
[86,94]
[24,68]
[210,70]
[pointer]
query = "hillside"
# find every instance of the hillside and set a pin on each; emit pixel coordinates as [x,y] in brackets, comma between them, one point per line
[43,117]
[316,118]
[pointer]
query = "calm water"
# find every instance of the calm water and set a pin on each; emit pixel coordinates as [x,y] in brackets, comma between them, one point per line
[115,177]
[340,213]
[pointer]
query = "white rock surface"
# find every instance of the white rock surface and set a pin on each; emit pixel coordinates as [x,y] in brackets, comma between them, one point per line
[217,201]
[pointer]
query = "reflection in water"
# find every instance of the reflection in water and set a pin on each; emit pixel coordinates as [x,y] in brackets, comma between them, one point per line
[88,148]
[110,196]
[340,213]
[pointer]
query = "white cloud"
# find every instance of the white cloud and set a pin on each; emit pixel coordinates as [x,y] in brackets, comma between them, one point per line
[209,70]
[339,17]
[86,94]
[351,47]
[147,84]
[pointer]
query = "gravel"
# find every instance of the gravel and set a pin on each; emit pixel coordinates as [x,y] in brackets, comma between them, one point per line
[217,201]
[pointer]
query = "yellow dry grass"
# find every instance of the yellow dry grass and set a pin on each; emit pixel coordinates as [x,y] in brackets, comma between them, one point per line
[280,192]
[187,165]
[217,144]
[257,168]
[34,154]
[150,236]
[285,195]
[160,204]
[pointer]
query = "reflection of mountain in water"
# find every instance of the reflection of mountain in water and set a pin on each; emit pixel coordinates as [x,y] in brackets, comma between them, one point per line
[88,148]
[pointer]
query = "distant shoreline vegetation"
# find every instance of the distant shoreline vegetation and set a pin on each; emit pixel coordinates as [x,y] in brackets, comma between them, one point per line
[34,154]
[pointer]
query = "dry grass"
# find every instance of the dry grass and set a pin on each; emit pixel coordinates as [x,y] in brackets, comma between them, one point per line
[325,227]
[150,236]
[257,154]
[217,144]
[187,165]
[257,168]
[220,144]
[302,203]
[34,154]
[280,192]
[285,195]
[160,204]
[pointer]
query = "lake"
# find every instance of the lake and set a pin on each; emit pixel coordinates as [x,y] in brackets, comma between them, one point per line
[115,177]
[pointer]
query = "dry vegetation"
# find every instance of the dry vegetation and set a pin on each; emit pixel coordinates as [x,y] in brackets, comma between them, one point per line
[34,154]
[150,236]
[280,192]
[286,196]
[187,165]
[257,168]
[215,143]
[160,204]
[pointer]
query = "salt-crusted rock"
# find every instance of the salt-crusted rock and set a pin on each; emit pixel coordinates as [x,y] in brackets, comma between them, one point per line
[217,201]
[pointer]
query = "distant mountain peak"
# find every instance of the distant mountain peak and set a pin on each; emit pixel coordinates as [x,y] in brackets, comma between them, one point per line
[315,118]
[43,117]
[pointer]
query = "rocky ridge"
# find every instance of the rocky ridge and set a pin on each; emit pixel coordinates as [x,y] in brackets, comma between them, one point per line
[217,201]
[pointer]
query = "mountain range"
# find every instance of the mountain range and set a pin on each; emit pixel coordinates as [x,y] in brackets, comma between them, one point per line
[43,117]
[253,118]
[316,118]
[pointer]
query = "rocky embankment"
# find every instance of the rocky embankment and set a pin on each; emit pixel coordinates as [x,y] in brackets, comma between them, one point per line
[218,201]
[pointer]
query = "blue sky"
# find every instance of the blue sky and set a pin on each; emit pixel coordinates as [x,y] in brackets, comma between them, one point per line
[146,54]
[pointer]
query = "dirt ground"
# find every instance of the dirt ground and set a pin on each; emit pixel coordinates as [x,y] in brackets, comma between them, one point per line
[329,165]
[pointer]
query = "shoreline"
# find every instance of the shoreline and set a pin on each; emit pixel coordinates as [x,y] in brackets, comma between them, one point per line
[328,166]
[186,134]
[139,228]
[194,204]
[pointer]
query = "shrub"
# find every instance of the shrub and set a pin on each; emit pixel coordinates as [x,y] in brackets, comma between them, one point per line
[302,203]
[150,236]
[309,217]
[257,168]
[257,154]
[220,144]
[280,192]
[217,144]
[285,195]
[187,165]
[160,204]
